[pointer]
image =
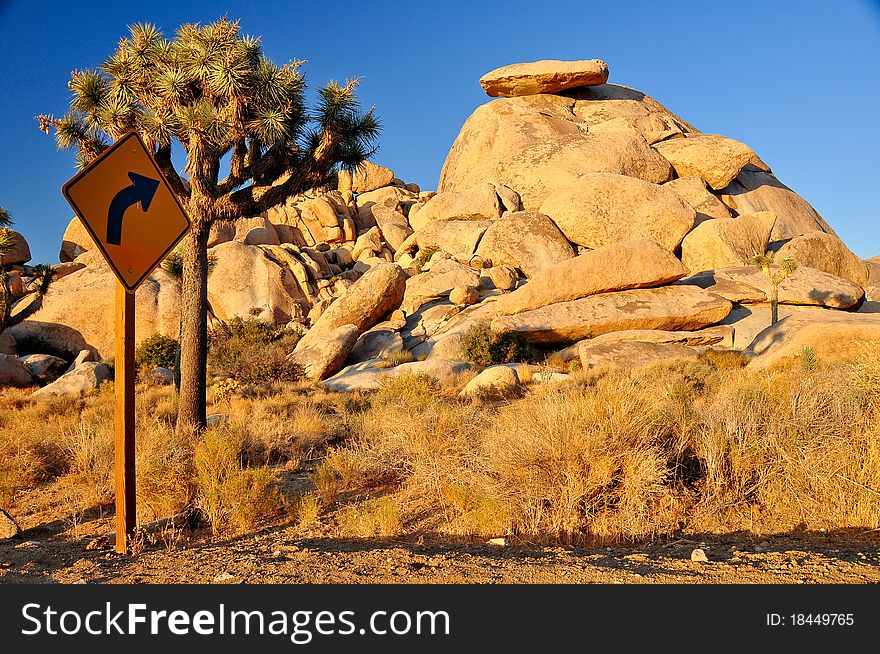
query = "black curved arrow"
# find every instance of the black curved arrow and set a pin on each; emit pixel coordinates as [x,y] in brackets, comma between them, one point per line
[142,190]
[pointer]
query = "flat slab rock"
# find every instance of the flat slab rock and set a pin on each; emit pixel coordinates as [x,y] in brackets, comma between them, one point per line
[545,76]
[667,308]
[631,354]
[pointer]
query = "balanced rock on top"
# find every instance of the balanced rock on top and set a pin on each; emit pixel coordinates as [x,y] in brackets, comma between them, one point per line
[546,76]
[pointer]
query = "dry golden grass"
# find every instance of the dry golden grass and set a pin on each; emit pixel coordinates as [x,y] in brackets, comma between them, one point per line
[610,456]
[304,510]
[620,456]
[377,517]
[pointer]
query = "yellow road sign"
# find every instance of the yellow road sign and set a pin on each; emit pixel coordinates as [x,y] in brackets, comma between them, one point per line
[128,208]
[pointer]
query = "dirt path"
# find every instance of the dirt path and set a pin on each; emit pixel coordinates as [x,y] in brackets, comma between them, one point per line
[285,555]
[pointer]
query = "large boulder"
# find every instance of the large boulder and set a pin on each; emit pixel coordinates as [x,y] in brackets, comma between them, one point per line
[392,224]
[546,76]
[601,208]
[828,253]
[369,177]
[377,292]
[85,377]
[805,286]
[75,241]
[20,252]
[711,157]
[13,372]
[458,238]
[77,311]
[693,191]
[321,357]
[630,354]
[727,242]
[480,202]
[619,266]
[667,308]
[256,231]
[832,335]
[756,190]
[538,144]
[246,281]
[527,240]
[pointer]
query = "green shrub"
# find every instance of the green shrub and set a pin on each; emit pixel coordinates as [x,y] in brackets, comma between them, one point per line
[485,347]
[252,352]
[157,351]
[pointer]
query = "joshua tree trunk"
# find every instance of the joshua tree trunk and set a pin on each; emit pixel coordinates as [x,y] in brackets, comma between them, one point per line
[5,301]
[774,303]
[192,408]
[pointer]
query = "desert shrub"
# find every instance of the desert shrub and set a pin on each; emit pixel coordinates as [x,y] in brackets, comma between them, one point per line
[485,347]
[157,351]
[281,429]
[253,352]
[414,390]
[164,468]
[789,449]
[250,496]
[376,517]
[229,493]
[326,480]
[304,510]
[582,464]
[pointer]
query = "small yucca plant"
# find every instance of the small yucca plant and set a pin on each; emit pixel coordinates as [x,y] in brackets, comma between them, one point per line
[775,274]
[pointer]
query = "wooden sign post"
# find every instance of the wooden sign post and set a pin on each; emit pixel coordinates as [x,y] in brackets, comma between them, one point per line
[126,509]
[135,219]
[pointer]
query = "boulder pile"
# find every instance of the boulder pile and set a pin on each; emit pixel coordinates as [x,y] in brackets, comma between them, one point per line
[583,216]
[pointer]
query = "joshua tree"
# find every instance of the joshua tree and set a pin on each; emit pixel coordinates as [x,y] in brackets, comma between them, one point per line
[211,89]
[775,274]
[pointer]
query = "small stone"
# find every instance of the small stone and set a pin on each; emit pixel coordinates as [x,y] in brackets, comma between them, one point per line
[501,542]
[699,556]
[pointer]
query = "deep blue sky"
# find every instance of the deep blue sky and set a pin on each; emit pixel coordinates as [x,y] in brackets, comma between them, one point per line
[797,81]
